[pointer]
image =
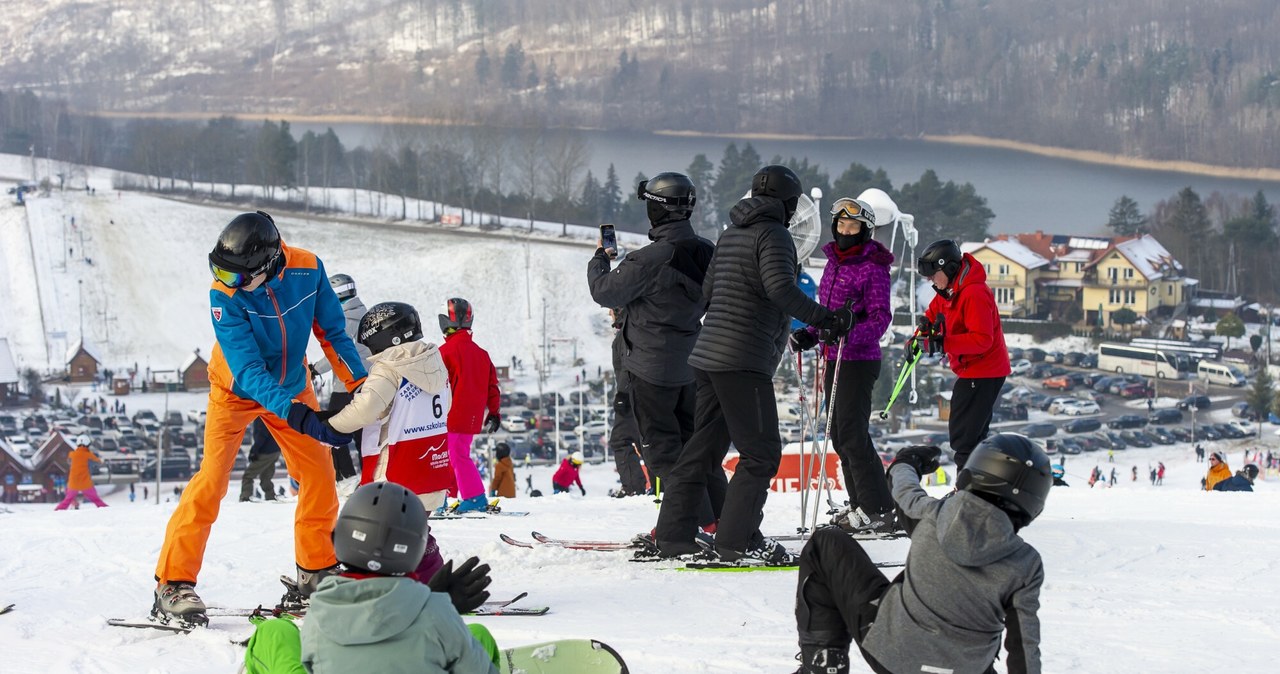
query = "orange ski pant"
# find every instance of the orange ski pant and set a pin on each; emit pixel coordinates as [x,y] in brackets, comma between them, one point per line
[309,462]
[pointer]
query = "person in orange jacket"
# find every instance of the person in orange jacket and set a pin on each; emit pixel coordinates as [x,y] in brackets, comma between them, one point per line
[266,301]
[504,473]
[78,480]
[1218,470]
[474,383]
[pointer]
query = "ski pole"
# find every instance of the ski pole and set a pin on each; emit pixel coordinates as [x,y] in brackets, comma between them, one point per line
[907,368]
[804,456]
[826,440]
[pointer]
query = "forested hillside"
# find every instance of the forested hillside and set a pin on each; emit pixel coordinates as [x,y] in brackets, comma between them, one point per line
[1161,79]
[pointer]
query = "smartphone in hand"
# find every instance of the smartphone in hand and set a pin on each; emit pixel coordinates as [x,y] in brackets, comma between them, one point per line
[609,241]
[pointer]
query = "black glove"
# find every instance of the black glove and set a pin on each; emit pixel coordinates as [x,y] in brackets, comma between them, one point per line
[465,587]
[304,420]
[622,402]
[491,423]
[802,340]
[923,458]
[837,325]
[583,490]
[312,369]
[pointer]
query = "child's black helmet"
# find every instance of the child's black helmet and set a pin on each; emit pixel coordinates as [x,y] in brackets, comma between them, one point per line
[382,528]
[1012,472]
[944,255]
[388,324]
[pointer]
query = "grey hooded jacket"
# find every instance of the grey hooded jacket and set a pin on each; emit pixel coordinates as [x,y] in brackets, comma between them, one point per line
[969,578]
[659,288]
[751,292]
[389,625]
[353,309]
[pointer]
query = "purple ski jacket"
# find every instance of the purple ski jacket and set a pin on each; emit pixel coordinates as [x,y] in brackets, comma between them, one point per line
[863,278]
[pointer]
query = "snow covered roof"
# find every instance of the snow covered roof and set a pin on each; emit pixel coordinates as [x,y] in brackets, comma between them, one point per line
[76,346]
[191,360]
[1148,256]
[1012,250]
[1217,303]
[1190,281]
[8,370]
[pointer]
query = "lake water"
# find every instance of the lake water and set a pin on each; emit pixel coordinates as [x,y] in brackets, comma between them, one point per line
[1027,192]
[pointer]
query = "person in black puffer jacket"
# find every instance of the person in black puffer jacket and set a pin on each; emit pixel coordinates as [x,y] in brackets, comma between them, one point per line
[751,296]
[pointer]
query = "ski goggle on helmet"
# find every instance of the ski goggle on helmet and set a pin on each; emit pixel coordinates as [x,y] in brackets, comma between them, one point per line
[239,279]
[854,209]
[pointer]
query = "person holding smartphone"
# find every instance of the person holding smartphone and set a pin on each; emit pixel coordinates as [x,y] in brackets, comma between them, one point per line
[658,290]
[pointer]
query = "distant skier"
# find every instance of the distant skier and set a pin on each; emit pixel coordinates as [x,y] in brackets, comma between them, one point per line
[1218,470]
[79,482]
[474,384]
[947,609]
[503,483]
[376,616]
[263,455]
[568,475]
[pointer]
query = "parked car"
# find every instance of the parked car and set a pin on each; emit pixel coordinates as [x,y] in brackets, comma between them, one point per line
[1090,360]
[1162,436]
[1136,390]
[1072,358]
[1229,431]
[1034,354]
[1243,411]
[1127,421]
[1077,408]
[1040,371]
[1070,446]
[1082,425]
[1166,416]
[1207,432]
[1246,427]
[1053,356]
[197,416]
[1100,440]
[1039,430]
[1135,439]
[1117,442]
[1199,402]
[1011,411]
[171,470]
[174,418]
[1061,383]
[1180,434]
[513,423]
[1015,353]
[1020,367]
[1054,405]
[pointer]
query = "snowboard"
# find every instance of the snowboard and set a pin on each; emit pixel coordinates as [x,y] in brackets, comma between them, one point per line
[568,656]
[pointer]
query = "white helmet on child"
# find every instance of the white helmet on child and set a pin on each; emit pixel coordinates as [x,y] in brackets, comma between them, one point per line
[83,440]
[575,458]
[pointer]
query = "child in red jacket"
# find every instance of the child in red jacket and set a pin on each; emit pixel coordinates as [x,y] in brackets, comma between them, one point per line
[567,475]
[964,322]
[474,383]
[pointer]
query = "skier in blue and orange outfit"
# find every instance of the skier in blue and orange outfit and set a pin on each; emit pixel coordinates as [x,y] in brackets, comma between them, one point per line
[266,300]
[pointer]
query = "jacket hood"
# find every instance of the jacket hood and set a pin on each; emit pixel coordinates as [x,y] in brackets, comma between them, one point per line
[419,362]
[367,611]
[753,210]
[872,251]
[971,273]
[675,229]
[973,532]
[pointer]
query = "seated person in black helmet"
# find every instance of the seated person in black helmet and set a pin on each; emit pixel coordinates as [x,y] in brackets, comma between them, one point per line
[969,576]
[375,617]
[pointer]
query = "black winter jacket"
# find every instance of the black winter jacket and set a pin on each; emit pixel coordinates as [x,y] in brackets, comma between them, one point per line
[751,292]
[659,289]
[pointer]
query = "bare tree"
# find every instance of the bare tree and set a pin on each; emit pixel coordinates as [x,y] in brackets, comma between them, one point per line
[567,155]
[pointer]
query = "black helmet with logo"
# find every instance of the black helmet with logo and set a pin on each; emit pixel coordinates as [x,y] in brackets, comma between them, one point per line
[1011,471]
[388,324]
[668,196]
[456,316]
[942,255]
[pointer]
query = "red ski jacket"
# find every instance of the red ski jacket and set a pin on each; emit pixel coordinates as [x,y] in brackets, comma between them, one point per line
[972,336]
[473,382]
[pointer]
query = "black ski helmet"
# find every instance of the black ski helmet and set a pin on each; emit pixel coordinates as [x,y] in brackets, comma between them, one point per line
[388,324]
[343,285]
[248,246]
[779,182]
[1012,472]
[944,255]
[382,528]
[856,209]
[668,197]
[456,316]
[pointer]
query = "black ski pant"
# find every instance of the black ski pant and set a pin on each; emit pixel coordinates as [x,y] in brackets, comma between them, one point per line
[838,593]
[343,466]
[261,468]
[972,401]
[624,442]
[861,468]
[665,415]
[737,408]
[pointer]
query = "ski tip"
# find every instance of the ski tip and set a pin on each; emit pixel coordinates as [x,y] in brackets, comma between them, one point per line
[602,646]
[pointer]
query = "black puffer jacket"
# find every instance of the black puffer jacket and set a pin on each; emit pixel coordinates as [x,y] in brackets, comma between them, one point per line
[751,292]
[659,288]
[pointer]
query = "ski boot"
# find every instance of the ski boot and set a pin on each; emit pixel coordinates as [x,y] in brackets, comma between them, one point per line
[177,602]
[820,660]
[764,552]
[475,504]
[297,593]
[870,525]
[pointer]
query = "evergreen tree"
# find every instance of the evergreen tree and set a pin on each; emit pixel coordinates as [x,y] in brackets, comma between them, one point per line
[1230,326]
[611,196]
[532,80]
[512,65]
[705,216]
[592,199]
[633,214]
[484,67]
[1262,396]
[858,178]
[1125,219]
[945,210]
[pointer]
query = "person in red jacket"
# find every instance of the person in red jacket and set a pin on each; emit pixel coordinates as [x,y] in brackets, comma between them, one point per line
[568,475]
[964,322]
[474,383]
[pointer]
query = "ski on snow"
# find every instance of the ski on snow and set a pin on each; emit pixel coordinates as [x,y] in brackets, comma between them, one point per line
[6,609]
[612,546]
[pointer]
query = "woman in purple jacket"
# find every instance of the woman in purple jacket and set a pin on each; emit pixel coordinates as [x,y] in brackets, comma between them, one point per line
[857,272]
